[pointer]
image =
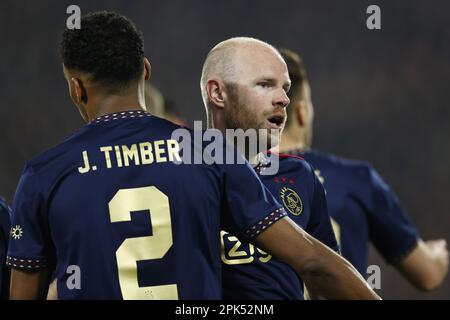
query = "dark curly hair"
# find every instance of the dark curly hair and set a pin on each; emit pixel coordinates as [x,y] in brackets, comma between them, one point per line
[108,47]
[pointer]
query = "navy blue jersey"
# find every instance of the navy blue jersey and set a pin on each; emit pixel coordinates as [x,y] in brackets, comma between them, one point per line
[115,217]
[364,209]
[250,273]
[4,235]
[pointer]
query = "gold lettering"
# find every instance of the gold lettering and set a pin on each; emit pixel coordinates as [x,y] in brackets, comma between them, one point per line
[87,166]
[265,257]
[146,152]
[106,151]
[130,154]
[159,151]
[233,253]
[118,156]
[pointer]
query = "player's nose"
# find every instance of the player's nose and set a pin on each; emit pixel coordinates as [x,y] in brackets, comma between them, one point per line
[281,100]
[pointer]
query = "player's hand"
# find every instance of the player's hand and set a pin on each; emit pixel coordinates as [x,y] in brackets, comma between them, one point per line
[52,293]
[438,250]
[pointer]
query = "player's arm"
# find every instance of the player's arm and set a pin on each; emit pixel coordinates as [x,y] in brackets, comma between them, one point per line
[423,264]
[29,285]
[427,265]
[321,268]
[30,245]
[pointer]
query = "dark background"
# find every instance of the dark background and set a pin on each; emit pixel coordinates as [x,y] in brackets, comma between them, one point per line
[379,95]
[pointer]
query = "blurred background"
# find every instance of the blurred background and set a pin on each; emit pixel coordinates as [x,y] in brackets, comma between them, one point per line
[379,95]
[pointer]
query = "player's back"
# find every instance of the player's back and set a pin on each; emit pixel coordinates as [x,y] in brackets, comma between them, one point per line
[132,222]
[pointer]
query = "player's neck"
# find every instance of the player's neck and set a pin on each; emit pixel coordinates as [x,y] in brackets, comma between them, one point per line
[291,142]
[104,105]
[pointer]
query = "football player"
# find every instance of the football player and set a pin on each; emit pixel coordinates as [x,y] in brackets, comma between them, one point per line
[363,206]
[244,85]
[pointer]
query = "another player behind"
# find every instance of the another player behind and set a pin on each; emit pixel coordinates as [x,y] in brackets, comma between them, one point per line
[361,203]
[5,212]
[160,106]
[110,208]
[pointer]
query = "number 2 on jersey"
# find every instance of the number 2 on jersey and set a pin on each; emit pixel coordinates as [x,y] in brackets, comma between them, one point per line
[142,248]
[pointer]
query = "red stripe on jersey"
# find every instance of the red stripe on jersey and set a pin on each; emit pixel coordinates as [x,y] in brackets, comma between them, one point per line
[285,155]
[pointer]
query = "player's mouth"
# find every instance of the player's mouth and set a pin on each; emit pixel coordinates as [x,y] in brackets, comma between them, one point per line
[276,121]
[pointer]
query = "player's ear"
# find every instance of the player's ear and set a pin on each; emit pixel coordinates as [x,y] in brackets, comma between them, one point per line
[79,93]
[300,112]
[216,93]
[148,69]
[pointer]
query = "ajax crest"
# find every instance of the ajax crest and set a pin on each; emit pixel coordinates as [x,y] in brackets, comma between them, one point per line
[291,201]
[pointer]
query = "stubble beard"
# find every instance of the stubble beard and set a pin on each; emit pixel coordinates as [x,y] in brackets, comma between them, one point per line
[238,117]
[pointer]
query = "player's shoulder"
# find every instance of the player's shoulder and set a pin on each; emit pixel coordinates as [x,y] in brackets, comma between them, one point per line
[51,155]
[156,122]
[292,162]
[336,162]
[98,131]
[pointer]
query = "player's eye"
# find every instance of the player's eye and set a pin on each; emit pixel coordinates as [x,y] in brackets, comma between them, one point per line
[264,84]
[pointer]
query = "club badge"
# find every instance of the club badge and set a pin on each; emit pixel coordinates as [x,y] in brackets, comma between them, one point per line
[291,201]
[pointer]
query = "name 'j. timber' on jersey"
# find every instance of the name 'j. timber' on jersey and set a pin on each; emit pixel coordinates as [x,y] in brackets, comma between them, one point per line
[111,201]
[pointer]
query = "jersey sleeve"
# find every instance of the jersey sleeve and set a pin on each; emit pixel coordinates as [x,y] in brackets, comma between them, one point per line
[319,225]
[250,207]
[29,244]
[391,230]
[4,233]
